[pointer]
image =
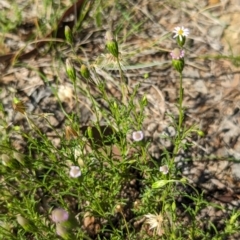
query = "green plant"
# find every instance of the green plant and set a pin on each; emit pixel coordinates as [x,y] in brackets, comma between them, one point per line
[99,180]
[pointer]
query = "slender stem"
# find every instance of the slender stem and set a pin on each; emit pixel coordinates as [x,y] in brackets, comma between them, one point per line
[180,119]
[181,111]
[125,222]
[123,86]
[120,69]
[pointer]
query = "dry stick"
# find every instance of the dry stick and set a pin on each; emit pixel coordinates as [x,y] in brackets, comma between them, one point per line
[74,9]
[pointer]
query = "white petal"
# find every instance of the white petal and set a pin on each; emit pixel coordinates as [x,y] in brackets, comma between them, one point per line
[175,35]
[75,171]
[149,215]
[176,29]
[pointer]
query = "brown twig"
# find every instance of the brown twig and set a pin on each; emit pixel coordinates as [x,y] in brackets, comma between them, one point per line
[57,33]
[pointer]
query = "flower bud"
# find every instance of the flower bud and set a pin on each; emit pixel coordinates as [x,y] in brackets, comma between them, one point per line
[63,232]
[178,59]
[70,70]
[119,208]
[178,65]
[17,128]
[80,162]
[137,204]
[111,44]
[68,34]
[174,206]
[115,105]
[26,224]
[144,100]
[200,133]
[19,157]
[84,71]
[90,132]
[59,215]
[181,41]
[8,161]
[5,159]
[6,226]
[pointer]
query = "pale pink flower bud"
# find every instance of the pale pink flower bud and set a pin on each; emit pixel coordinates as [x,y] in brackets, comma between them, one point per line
[59,215]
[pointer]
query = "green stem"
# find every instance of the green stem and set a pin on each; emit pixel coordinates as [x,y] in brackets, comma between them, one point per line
[181,111]
[180,119]
[122,80]
[125,222]
[121,71]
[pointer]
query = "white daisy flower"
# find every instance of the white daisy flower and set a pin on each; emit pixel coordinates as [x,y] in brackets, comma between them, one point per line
[180,32]
[155,222]
[137,136]
[164,169]
[75,171]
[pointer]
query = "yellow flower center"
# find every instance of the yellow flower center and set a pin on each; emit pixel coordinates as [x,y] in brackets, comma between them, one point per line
[180,32]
